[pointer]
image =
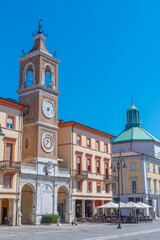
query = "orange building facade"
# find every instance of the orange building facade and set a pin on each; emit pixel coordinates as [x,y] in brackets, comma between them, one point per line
[87,152]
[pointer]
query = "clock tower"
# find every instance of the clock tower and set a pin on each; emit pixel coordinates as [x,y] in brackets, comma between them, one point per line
[38,89]
[42,182]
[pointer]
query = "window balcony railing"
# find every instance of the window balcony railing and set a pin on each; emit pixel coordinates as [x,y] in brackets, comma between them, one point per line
[134,191]
[10,165]
[108,178]
[79,174]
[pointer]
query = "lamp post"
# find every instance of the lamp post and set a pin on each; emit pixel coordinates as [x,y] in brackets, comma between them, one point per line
[119,207]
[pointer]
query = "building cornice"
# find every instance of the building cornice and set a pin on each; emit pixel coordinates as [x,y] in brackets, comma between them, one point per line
[85,128]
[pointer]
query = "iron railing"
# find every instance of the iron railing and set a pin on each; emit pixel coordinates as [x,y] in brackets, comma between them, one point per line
[80,174]
[10,165]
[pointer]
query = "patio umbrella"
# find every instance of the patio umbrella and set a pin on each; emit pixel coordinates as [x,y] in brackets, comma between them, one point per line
[121,204]
[133,205]
[110,205]
[144,205]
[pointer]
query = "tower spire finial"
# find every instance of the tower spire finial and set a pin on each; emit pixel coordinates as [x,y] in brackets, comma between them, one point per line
[40,29]
[39,26]
[132,99]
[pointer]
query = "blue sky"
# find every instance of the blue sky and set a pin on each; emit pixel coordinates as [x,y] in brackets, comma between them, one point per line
[109,51]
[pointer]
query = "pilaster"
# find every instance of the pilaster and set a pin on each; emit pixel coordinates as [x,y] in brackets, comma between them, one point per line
[83,208]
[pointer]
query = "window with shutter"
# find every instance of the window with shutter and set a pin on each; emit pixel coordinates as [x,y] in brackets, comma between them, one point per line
[88,143]
[97,145]
[10,122]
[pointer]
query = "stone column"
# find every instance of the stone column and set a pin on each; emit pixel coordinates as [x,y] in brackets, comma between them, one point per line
[55,201]
[93,208]
[36,211]
[14,212]
[73,208]
[1,211]
[68,212]
[102,209]
[83,208]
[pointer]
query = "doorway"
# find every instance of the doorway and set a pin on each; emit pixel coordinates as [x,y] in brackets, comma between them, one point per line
[5,211]
[27,204]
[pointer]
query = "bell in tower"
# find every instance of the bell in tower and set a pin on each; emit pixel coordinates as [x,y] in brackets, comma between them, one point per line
[38,89]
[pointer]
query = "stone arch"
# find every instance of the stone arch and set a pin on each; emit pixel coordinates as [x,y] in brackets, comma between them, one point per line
[63,202]
[28,75]
[46,199]
[27,203]
[48,76]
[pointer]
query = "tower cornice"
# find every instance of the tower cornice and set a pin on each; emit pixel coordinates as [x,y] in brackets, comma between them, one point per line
[41,53]
[36,87]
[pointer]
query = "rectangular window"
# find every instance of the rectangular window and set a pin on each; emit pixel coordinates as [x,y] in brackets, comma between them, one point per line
[26,143]
[149,185]
[79,164]
[155,186]
[79,140]
[98,187]
[97,145]
[89,164]
[107,188]
[88,143]
[98,166]
[133,166]
[9,149]
[154,168]
[134,186]
[106,170]
[10,122]
[106,148]
[79,186]
[148,167]
[7,181]
[89,186]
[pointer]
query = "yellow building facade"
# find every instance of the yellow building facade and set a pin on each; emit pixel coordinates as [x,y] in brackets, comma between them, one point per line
[11,120]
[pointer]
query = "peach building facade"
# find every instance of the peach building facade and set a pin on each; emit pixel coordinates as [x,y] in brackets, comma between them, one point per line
[11,121]
[87,152]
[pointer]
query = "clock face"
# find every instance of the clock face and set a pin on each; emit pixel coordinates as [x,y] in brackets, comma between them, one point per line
[48,109]
[47,143]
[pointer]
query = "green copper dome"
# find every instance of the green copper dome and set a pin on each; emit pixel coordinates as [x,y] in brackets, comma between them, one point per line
[133,129]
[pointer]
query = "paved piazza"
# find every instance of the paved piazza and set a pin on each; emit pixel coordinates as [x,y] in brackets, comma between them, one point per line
[147,231]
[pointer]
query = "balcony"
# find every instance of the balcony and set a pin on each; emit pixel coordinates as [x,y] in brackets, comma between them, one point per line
[64,172]
[10,165]
[108,178]
[80,175]
[134,191]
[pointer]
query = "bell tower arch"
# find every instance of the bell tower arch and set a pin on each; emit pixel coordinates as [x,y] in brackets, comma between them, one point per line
[38,89]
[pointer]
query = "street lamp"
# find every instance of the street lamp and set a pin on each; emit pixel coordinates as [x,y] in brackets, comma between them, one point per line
[119,207]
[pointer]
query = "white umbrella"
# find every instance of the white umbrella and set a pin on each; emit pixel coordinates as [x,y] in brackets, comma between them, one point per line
[144,205]
[132,205]
[111,205]
[121,204]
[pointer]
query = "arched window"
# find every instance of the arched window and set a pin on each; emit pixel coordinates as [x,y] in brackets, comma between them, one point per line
[29,80]
[28,75]
[48,76]
[48,81]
